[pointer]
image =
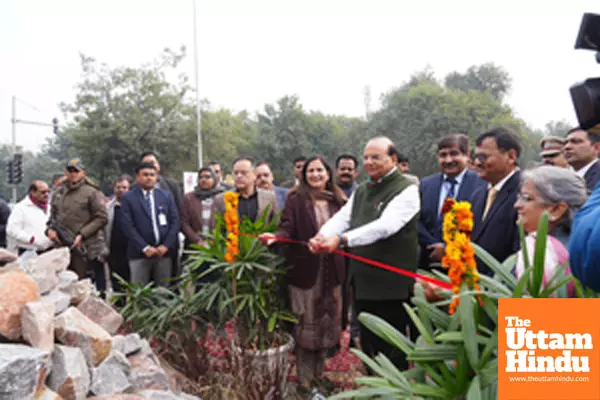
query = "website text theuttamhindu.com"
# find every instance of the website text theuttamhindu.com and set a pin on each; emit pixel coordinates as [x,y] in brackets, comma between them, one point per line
[534,379]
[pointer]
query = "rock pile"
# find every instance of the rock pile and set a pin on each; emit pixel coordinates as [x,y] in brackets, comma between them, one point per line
[57,339]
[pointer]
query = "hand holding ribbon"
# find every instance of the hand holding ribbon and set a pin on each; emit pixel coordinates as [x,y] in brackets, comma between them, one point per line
[321,246]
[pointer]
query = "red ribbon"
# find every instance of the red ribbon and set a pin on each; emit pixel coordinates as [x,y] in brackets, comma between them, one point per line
[400,271]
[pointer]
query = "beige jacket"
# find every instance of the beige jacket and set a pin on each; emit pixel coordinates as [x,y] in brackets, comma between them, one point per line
[265,198]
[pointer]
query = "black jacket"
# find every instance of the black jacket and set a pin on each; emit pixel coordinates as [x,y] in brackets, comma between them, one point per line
[498,233]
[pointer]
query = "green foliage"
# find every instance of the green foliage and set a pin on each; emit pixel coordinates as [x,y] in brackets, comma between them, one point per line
[455,356]
[487,77]
[157,312]
[420,112]
[247,290]
[35,166]
[119,112]
[286,131]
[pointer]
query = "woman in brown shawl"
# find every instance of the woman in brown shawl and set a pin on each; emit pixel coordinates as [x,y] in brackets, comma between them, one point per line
[315,281]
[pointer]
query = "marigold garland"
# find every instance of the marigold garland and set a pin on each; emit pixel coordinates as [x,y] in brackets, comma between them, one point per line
[232,221]
[460,254]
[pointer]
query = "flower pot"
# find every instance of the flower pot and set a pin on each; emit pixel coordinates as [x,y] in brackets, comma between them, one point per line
[274,362]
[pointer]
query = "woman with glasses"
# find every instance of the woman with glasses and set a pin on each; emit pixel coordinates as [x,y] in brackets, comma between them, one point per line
[561,193]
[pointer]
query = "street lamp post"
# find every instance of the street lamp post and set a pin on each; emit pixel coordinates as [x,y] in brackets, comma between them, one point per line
[14,142]
[198,107]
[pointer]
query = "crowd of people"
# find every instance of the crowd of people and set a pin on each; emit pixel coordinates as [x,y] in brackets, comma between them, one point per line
[393,218]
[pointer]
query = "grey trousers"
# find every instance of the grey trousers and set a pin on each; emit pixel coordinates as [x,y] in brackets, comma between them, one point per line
[157,268]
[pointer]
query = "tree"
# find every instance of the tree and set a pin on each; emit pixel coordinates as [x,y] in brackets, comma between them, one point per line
[482,78]
[286,131]
[35,167]
[416,117]
[120,112]
[555,128]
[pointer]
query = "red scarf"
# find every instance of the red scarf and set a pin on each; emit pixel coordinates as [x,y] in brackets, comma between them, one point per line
[43,206]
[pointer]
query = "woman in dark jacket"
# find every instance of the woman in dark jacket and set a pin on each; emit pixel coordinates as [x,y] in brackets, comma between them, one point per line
[315,281]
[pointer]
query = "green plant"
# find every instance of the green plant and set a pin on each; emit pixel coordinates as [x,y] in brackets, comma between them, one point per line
[176,324]
[248,290]
[455,356]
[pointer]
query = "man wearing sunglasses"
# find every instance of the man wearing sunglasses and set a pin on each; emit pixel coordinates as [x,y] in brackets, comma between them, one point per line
[78,211]
[27,222]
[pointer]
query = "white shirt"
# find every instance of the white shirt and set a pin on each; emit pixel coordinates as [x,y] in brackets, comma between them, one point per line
[26,221]
[398,212]
[153,214]
[585,169]
[498,186]
[446,188]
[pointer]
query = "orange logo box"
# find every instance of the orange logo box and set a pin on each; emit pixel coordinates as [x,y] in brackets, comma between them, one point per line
[549,349]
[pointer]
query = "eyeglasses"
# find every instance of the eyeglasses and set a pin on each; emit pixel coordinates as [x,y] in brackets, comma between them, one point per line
[524,197]
[480,157]
[43,191]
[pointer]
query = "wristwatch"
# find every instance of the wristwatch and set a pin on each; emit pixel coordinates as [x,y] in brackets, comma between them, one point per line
[343,241]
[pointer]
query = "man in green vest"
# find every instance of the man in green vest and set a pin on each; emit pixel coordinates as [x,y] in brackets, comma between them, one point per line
[379,222]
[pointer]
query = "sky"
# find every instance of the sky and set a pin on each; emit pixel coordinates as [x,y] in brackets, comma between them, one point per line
[252,52]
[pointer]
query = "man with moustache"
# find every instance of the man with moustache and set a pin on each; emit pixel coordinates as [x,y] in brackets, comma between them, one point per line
[26,225]
[298,166]
[494,214]
[379,222]
[172,186]
[78,210]
[116,240]
[346,171]
[264,180]
[552,151]
[581,151]
[218,171]
[454,181]
[150,221]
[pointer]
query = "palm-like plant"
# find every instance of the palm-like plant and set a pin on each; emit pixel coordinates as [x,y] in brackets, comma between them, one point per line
[247,290]
[455,356]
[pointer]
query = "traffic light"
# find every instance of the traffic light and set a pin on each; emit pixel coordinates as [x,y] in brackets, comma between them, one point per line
[9,173]
[17,165]
[55,126]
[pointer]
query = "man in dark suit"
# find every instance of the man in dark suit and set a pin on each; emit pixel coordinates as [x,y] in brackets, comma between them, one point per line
[150,221]
[172,186]
[494,213]
[455,181]
[581,151]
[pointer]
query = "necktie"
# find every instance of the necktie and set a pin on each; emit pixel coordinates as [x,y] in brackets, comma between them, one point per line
[152,217]
[450,194]
[492,192]
[148,203]
[452,188]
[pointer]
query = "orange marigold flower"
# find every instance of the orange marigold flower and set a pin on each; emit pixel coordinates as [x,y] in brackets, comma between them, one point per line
[466,225]
[448,204]
[459,258]
[232,223]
